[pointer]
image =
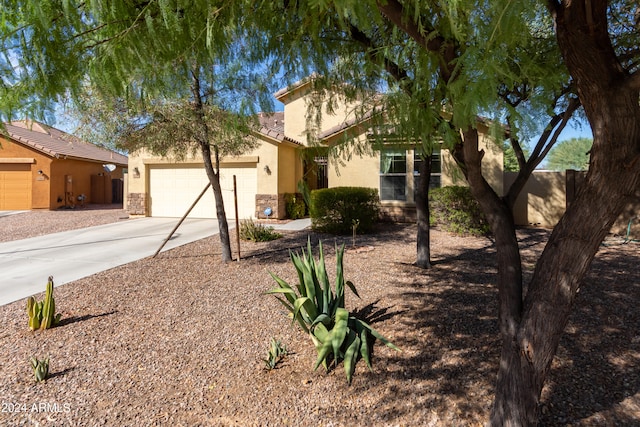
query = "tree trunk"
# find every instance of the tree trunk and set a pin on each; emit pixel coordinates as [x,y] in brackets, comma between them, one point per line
[422,214]
[213,173]
[610,99]
[214,179]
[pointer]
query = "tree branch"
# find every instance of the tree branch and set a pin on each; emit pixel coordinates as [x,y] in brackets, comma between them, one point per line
[633,82]
[554,7]
[446,50]
[546,141]
[515,144]
[395,12]
[398,73]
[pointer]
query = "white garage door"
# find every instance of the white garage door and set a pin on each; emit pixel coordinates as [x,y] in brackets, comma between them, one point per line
[174,188]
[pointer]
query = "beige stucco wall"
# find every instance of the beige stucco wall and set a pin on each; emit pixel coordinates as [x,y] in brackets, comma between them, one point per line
[278,168]
[289,169]
[295,113]
[364,170]
[300,113]
[277,164]
[267,167]
[542,201]
[492,164]
[358,171]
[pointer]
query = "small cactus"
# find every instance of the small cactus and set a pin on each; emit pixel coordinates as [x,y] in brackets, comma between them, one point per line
[40,368]
[34,310]
[42,314]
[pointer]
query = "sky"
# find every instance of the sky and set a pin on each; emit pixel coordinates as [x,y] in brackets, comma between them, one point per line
[581,131]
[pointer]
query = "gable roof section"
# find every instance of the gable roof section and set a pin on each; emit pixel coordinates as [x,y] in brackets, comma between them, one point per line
[56,143]
[285,92]
[272,125]
[348,124]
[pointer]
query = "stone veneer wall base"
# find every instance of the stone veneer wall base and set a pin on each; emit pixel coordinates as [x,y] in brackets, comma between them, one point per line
[137,204]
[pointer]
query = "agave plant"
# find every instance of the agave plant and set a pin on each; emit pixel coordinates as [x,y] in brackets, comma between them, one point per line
[277,351]
[40,368]
[320,311]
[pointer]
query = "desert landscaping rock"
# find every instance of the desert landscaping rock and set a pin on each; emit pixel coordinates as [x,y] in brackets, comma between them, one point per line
[179,340]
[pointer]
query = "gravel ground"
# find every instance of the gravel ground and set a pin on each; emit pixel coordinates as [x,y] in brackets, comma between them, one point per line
[39,222]
[178,340]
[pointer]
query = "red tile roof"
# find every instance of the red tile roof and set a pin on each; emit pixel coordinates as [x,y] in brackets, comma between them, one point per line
[56,143]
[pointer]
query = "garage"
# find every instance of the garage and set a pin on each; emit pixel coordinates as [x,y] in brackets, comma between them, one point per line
[173,188]
[15,186]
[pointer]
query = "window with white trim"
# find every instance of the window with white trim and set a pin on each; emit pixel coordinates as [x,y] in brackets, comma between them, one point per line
[393,175]
[399,172]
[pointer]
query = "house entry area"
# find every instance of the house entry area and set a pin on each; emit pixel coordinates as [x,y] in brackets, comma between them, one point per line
[174,188]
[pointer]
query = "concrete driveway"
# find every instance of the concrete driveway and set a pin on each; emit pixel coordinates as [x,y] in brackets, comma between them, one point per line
[26,264]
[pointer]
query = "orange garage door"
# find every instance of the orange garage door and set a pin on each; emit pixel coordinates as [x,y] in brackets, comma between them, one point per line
[15,186]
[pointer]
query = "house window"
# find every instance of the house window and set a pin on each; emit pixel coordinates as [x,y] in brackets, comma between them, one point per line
[436,169]
[393,175]
[399,172]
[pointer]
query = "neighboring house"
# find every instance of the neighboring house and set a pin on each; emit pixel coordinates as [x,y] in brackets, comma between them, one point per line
[45,168]
[284,156]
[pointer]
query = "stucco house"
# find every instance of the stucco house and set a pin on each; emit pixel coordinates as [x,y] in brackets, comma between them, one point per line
[45,168]
[283,157]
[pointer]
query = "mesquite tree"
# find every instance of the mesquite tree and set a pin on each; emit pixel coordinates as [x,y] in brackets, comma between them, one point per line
[447,62]
[461,49]
[177,68]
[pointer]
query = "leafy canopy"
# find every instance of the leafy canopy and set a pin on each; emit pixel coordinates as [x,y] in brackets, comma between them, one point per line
[570,154]
[122,49]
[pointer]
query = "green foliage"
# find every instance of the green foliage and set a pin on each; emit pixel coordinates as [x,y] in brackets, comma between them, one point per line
[277,351]
[295,206]
[257,232]
[510,160]
[176,129]
[40,368]
[570,154]
[455,210]
[42,314]
[303,188]
[320,311]
[334,210]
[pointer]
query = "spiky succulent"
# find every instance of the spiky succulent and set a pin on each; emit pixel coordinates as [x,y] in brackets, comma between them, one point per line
[320,311]
[40,368]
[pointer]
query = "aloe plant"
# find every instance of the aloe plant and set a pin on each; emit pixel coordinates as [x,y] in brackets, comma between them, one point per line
[42,314]
[320,311]
[40,368]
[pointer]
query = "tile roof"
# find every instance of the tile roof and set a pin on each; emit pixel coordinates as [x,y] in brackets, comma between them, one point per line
[272,125]
[348,123]
[56,143]
[294,86]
